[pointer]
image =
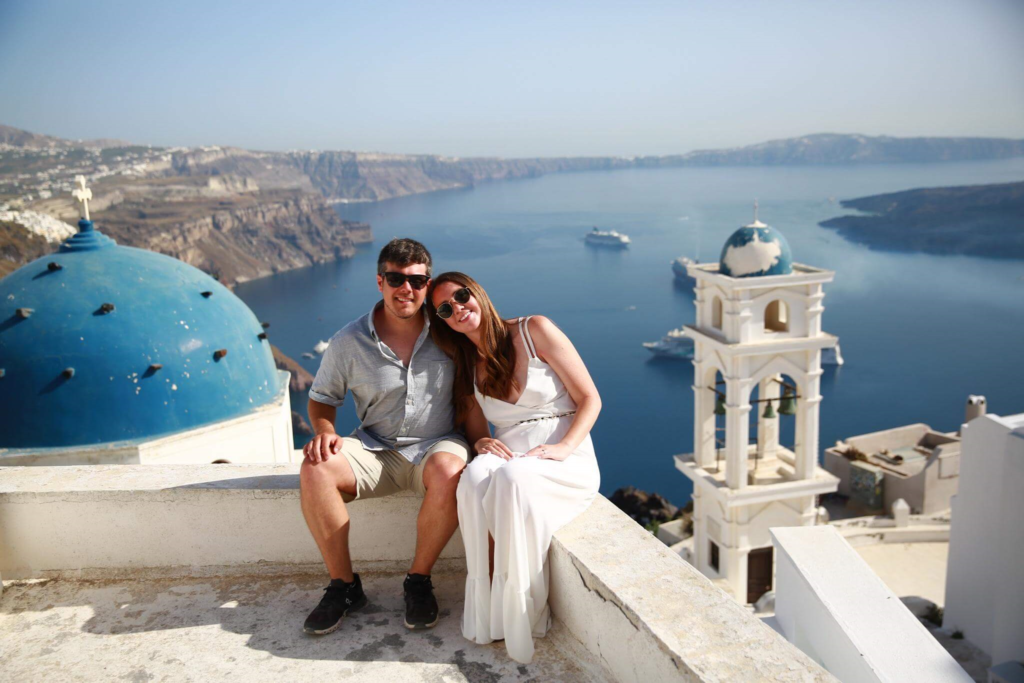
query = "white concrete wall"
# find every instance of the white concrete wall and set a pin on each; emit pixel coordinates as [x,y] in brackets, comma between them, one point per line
[984,598]
[618,591]
[650,616]
[92,521]
[831,605]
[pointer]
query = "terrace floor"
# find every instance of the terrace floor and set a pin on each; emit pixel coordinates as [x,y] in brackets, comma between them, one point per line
[250,628]
[910,569]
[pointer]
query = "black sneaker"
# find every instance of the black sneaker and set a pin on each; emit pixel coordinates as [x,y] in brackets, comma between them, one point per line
[420,603]
[339,598]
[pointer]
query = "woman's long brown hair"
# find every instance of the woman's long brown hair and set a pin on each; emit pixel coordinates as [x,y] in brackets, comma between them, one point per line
[499,353]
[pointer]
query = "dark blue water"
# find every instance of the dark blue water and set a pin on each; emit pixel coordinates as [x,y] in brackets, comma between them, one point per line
[919,333]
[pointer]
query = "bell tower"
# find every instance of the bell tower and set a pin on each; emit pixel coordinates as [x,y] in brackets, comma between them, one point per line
[757,361]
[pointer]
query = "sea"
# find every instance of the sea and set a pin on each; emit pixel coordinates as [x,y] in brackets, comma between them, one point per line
[918,332]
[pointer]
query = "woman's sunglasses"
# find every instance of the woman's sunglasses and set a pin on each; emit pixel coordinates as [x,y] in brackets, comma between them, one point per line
[398,279]
[461,296]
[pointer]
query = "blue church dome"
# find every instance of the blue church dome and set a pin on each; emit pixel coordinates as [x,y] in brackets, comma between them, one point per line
[756,249]
[100,343]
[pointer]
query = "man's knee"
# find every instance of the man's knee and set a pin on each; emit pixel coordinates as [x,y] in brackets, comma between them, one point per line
[334,472]
[443,469]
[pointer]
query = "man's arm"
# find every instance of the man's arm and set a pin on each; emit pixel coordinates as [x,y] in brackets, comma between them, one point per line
[326,442]
[325,395]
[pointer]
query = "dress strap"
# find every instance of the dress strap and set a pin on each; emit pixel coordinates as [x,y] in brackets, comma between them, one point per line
[524,330]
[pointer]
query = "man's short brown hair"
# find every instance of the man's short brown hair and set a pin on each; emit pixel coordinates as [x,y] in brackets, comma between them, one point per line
[404,252]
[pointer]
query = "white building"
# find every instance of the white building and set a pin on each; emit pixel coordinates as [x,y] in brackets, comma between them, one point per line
[984,599]
[830,604]
[757,329]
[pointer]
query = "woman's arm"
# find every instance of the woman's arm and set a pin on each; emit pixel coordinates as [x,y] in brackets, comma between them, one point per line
[555,349]
[476,424]
[478,433]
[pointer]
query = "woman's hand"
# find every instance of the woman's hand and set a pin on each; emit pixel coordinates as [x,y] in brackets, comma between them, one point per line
[493,446]
[550,451]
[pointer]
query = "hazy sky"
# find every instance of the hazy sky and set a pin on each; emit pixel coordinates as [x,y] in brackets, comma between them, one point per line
[515,79]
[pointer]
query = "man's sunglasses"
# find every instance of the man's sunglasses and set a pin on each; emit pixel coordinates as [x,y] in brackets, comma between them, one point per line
[398,279]
[461,296]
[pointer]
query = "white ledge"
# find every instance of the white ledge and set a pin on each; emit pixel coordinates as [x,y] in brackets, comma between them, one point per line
[717,342]
[752,494]
[619,592]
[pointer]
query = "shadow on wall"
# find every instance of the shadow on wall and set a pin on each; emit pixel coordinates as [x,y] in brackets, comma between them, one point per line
[264,482]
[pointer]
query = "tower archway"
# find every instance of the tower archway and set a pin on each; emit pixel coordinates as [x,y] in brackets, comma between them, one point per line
[776,316]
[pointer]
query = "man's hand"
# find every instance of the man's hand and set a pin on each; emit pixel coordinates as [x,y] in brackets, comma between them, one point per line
[322,447]
[493,446]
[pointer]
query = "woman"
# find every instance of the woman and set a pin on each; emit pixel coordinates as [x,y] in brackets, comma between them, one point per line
[534,475]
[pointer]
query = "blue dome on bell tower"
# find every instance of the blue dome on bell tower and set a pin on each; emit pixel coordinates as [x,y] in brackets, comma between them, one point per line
[101,343]
[755,250]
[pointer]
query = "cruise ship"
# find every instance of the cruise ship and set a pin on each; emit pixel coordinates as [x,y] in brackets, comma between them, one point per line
[675,344]
[679,269]
[832,356]
[609,238]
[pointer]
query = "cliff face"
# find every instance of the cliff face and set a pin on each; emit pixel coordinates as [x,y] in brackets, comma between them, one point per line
[301,379]
[18,246]
[243,239]
[234,213]
[242,214]
[831,149]
[352,175]
[372,176]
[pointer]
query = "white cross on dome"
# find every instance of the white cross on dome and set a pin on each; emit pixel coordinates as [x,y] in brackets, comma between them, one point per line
[83,194]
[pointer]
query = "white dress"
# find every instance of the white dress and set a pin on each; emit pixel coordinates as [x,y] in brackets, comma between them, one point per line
[520,503]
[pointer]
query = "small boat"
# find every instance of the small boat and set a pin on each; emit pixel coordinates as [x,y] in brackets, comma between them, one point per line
[307,354]
[607,238]
[832,356]
[675,344]
[320,347]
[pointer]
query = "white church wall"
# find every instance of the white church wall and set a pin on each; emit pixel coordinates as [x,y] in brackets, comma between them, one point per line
[796,304]
[262,436]
[776,514]
[984,599]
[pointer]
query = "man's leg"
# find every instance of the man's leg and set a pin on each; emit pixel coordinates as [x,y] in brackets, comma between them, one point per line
[436,478]
[439,515]
[320,489]
[352,471]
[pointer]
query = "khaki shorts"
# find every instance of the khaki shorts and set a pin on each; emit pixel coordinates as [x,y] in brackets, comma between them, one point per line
[382,473]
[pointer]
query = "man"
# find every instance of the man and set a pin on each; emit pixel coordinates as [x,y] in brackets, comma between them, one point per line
[402,387]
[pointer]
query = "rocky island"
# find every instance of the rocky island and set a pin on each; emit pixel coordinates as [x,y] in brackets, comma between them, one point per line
[975,220]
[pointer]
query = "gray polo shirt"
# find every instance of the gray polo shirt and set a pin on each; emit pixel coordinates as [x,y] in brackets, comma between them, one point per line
[407,409]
